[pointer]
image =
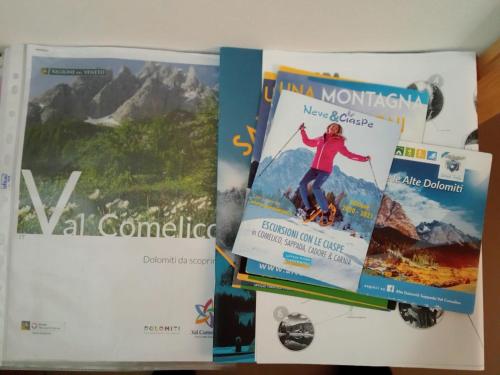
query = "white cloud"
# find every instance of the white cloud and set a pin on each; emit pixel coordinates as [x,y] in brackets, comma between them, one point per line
[422,209]
[230,176]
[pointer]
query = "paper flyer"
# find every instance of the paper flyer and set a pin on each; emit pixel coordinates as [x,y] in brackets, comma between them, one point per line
[296,330]
[113,201]
[321,232]
[426,243]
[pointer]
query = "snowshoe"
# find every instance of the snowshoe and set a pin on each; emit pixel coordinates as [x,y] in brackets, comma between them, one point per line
[327,219]
[311,214]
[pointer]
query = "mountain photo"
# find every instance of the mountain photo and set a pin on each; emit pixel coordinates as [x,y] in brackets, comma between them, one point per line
[281,178]
[143,136]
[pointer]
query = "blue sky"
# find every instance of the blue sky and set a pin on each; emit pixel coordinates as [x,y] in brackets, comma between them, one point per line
[41,83]
[464,210]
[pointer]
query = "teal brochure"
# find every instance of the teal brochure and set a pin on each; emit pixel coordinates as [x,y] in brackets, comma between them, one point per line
[239,94]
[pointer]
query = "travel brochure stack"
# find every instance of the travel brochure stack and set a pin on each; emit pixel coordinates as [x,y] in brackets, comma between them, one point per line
[362,212]
[252,206]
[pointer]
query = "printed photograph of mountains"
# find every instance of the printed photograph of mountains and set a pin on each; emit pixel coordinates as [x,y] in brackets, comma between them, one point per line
[427,237]
[431,253]
[143,135]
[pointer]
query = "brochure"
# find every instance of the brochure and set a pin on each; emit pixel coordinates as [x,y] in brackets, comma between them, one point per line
[433,262]
[245,279]
[409,114]
[426,243]
[108,200]
[407,339]
[321,232]
[448,77]
[262,117]
[240,85]
[406,107]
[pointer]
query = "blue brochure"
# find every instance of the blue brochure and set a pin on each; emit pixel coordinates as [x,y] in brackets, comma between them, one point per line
[426,243]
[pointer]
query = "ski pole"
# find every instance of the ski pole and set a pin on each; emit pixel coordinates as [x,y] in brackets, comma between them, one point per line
[279,152]
[373,173]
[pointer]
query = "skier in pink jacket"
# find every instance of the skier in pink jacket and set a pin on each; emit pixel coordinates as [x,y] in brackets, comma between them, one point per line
[327,147]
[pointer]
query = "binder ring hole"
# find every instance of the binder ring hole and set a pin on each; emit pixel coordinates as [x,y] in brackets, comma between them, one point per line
[15,75]
[15,89]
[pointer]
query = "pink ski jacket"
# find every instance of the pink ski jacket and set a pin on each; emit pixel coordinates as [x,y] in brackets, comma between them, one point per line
[326,149]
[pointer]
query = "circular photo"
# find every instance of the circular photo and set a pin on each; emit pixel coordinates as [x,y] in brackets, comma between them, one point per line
[296,332]
[436,97]
[420,316]
[280,313]
[472,141]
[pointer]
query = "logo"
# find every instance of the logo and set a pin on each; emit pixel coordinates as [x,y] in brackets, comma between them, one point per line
[410,151]
[421,153]
[42,327]
[205,313]
[451,167]
[432,155]
[74,71]
[390,288]
[348,117]
[154,329]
